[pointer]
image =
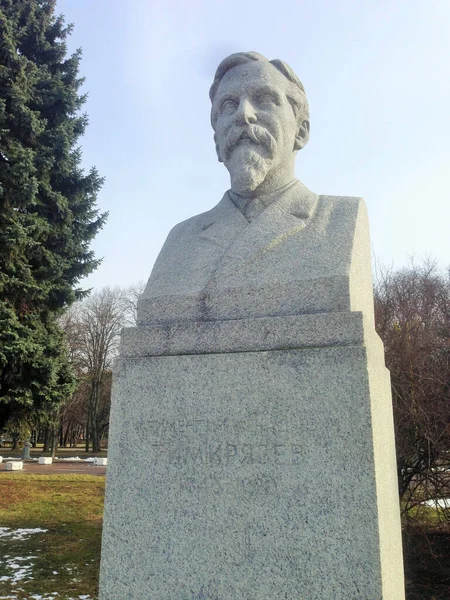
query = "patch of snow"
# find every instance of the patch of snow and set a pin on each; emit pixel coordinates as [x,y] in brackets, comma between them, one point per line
[18,571]
[39,597]
[438,503]
[76,458]
[19,534]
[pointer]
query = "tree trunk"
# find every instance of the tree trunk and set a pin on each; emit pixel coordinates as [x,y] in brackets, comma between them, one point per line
[40,435]
[95,397]
[87,432]
[54,436]
[47,439]
[95,447]
[67,434]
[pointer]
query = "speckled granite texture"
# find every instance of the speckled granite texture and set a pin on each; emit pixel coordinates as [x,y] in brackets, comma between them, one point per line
[288,261]
[251,447]
[254,475]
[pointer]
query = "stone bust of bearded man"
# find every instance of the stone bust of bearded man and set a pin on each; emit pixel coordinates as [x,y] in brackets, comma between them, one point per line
[271,247]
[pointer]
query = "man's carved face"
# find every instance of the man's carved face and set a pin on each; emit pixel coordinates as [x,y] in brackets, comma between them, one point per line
[254,122]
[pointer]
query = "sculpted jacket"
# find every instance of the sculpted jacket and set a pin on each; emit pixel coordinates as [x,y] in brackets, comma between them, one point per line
[297,256]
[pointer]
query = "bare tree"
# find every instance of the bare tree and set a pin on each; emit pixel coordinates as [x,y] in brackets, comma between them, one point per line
[74,414]
[102,317]
[92,329]
[131,297]
[412,312]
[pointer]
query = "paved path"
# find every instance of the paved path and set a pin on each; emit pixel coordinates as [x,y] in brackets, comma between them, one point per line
[58,467]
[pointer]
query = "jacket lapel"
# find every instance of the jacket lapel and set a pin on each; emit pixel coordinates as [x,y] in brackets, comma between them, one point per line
[282,219]
[223,224]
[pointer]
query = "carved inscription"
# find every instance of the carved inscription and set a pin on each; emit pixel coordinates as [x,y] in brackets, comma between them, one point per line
[221,442]
[227,453]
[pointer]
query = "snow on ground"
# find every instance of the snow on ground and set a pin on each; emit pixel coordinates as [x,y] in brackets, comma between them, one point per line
[438,503]
[19,534]
[76,458]
[19,569]
[52,596]
[72,458]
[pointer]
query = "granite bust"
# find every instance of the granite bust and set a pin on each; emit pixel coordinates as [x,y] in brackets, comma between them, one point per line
[251,447]
[271,247]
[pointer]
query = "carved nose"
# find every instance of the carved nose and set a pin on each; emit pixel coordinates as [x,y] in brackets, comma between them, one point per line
[246,113]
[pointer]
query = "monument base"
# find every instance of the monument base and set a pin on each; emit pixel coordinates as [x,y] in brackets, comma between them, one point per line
[238,474]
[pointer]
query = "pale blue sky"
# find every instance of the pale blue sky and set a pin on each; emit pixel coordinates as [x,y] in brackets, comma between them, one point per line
[377,77]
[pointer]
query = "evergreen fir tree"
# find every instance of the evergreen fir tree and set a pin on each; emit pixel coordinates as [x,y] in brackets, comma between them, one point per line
[48,214]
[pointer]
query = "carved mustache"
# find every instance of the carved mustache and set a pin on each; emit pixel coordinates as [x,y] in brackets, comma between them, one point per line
[255,133]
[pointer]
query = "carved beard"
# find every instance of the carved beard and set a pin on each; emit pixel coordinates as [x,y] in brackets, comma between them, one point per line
[247,168]
[248,153]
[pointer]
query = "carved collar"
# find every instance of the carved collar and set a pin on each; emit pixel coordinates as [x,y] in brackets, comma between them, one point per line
[253,207]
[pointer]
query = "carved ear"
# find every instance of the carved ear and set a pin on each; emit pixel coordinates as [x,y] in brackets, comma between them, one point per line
[302,137]
[217,148]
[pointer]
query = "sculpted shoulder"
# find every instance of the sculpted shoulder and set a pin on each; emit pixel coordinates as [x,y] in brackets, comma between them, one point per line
[338,214]
[194,224]
[191,250]
[341,202]
[198,223]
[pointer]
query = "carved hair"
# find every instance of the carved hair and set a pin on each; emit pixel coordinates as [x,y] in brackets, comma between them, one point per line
[298,102]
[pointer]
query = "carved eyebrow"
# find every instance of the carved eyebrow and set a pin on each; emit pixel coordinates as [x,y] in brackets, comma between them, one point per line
[226,97]
[222,99]
[268,90]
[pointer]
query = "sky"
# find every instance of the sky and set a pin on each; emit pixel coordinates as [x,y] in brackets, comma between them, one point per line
[377,77]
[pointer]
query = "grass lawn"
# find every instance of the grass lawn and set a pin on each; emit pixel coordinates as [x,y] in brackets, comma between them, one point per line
[64,558]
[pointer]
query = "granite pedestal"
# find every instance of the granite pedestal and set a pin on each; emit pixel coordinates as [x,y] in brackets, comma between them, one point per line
[254,460]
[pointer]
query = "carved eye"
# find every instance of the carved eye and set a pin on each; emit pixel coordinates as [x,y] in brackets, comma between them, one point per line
[266,99]
[229,105]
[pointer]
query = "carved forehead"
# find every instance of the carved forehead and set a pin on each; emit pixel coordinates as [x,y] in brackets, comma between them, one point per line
[245,69]
[251,75]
